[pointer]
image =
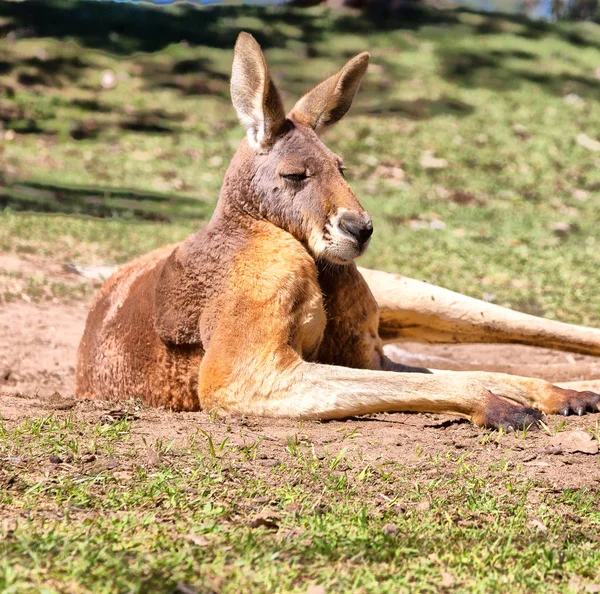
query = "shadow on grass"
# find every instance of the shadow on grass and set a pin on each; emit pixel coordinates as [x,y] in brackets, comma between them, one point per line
[418,109]
[507,70]
[414,16]
[125,28]
[101,202]
[497,69]
[23,120]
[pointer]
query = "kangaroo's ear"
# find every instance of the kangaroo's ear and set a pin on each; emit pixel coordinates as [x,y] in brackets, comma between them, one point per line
[328,102]
[254,95]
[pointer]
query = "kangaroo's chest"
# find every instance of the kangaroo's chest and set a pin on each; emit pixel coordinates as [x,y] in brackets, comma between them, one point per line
[350,337]
[309,325]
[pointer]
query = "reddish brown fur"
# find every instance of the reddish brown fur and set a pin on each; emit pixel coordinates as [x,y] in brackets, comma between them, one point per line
[264,311]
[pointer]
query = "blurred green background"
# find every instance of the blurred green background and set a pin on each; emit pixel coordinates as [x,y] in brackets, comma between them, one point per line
[474,140]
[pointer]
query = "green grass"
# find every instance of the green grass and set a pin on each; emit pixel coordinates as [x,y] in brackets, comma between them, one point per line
[89,174]
[501,100]
[111,514]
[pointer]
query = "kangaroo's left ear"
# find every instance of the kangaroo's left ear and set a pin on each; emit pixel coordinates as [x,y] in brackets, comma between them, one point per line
[329,101]
[254,94]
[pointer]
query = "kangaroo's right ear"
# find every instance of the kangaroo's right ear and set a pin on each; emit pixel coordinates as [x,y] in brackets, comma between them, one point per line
[329,101]
[254,95]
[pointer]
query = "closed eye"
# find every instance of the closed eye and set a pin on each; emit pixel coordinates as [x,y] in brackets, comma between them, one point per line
[294,177]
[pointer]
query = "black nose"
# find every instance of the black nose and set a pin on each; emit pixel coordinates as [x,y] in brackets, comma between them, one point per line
[357,225]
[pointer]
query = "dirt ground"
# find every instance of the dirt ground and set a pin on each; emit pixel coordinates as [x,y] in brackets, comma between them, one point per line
[37,361]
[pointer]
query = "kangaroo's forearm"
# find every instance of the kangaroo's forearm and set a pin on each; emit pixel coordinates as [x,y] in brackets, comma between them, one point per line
[314,391]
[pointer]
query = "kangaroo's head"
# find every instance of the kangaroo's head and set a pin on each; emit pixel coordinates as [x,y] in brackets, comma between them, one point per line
[283,172]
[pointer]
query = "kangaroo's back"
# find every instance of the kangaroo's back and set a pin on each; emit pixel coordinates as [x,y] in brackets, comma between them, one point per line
[122,356]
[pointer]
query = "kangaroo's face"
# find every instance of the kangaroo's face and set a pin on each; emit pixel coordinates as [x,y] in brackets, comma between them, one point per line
[302,187]
[297,183]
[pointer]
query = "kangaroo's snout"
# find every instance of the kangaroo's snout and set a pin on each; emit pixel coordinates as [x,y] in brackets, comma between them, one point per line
[358,226]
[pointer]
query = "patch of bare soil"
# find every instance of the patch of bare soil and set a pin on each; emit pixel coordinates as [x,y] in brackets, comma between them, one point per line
[37,355]
[39,338]
[37,360]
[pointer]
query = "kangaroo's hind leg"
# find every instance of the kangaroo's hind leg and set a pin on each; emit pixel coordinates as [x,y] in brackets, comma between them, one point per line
[411,310]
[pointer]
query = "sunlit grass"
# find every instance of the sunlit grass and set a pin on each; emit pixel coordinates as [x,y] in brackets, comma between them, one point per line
[497,104]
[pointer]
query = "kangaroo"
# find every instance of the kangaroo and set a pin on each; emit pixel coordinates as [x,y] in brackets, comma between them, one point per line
[264,312]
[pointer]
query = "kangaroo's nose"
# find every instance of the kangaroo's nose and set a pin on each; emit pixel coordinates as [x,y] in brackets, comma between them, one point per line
[357,225]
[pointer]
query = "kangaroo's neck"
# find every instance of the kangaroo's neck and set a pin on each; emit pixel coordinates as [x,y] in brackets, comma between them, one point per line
[237,199]
[334,278]
[241,204]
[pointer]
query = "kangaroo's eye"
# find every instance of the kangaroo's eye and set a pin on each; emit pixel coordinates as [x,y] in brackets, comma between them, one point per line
[343,170]
[294,177]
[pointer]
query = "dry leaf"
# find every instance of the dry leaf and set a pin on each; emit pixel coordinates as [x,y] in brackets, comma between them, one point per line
[182,588]
[266,520]
[576,441]
[390,530]
[538,525]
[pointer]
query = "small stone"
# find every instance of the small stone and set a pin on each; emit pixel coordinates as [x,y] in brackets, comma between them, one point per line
[108,80]
[269,463]
[429,161]
[581,195]
[55,459]
[423,506]
[553,450]
[520,130]
[562,229]
[390,530]
[572,99]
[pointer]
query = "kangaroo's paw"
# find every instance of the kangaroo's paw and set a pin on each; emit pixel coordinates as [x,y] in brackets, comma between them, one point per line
[501,414]
[571,402]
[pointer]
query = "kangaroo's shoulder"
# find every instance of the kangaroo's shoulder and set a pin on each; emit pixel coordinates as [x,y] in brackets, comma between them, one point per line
[220,270]
[271,260]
